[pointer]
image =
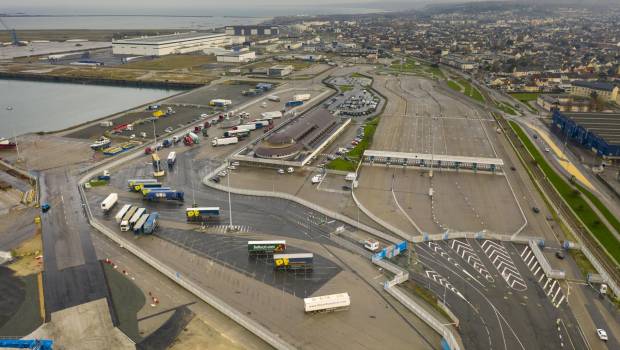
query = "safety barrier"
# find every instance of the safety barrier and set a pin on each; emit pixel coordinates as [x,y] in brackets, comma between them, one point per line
[207,297]
[544,263]
[350,245]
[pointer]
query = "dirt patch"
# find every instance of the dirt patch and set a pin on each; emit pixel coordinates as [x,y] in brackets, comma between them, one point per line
[27,256]
[199,335]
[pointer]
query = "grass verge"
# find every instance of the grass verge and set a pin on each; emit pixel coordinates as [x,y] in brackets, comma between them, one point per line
[573,197]
[345,88]
[356,153]
[455,86]
[505,108]
[416,67]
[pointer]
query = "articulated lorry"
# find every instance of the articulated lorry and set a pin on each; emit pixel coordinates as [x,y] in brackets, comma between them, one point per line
[202,214]
[224,141]
[165,194]
[151,223]
[109,202]
[119,214]
[266,247]
[139,225]
[125,220]
[296,261]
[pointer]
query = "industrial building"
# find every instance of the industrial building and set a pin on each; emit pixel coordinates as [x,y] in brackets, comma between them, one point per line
[301,134]
[599,132]
[237,57]
[161,45]
[280,70]
[257,30]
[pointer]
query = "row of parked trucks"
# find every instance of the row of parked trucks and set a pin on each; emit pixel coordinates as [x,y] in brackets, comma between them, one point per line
[152,190]
[136,219]
[239,132]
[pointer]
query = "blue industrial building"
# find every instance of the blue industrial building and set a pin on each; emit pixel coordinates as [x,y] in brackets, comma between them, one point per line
[599,132]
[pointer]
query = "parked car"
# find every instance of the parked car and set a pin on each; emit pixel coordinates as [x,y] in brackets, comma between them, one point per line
[346,188]
[559,254]
[222,173]
[290,170]
[215,179]
[280,171]
[535,210]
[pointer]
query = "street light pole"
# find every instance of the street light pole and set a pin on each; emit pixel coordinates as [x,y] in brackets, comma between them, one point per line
[230,224]
[10,109]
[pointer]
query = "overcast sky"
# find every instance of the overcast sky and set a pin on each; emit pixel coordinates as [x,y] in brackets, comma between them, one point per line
[195,7]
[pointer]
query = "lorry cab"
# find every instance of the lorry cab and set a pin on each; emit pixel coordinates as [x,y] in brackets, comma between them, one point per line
[371,245]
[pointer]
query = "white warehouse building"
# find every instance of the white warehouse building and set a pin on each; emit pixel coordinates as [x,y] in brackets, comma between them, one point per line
[161,45]
[237,57]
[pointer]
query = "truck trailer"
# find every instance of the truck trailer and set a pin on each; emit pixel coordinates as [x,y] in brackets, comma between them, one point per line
[138,227]
[224,141]
[109,202]
[134,219]
[142,187]
[167,195]
[131,183]
[302,97]
[297,261]
[202,214]
[271,115]
[218,102]
[125,220]
[151,223]
[119,214]
[327,303]
[172,158]
[266,247]
[294,103]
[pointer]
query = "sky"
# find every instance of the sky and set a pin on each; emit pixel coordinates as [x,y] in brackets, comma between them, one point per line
[196,7]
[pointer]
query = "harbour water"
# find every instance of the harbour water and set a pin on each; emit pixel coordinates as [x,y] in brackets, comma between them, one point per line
[27,106]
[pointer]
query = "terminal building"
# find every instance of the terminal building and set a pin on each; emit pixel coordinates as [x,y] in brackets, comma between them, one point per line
[599,132]
[303,134]
[161,45]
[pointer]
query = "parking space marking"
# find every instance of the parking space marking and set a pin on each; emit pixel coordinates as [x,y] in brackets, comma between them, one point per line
[465,251]
[442,281]
[500,258]
[551,287]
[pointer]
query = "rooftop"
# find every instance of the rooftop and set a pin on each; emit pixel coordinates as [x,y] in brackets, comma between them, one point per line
[595,85]
[604,125]
[169,38]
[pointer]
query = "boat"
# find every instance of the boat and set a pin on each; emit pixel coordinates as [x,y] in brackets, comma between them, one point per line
[100,144]
[7,144]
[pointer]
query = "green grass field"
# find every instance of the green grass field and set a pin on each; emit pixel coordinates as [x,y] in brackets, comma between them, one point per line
[574,198]
[455,86]
[505,108]
[526,98]
[345,88]
[356,153]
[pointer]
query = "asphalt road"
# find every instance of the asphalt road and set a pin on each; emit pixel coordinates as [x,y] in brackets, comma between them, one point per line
[499,302]
[72,273]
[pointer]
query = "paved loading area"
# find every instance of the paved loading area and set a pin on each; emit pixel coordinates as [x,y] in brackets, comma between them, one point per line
[500,296]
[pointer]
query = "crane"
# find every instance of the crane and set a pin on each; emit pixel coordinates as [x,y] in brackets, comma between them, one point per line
[14,39]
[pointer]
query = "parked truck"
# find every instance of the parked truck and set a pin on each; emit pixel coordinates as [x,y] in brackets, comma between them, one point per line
[134,219]
[109,202]
[172,158]
[125,220]
[194,137]
[266,247]
[224,141]
[327,303]
[273,98]
[151,223]
[156,161]
[166,194]
[133,182]
[202,214]
[294,103]
[296,261]
[244,127]
[119,215]
[236,133]
[271,115]
[155,189]
[138,227]
[217,102]
[301,97]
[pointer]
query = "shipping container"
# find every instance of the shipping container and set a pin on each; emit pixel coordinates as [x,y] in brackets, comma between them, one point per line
[131,183]
[136,216]
[297,261]
[224,141]
[266,247]
[141,187]
[167,195]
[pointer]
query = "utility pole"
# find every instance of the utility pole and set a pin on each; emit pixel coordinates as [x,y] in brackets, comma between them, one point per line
[230,224]
[19,159]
